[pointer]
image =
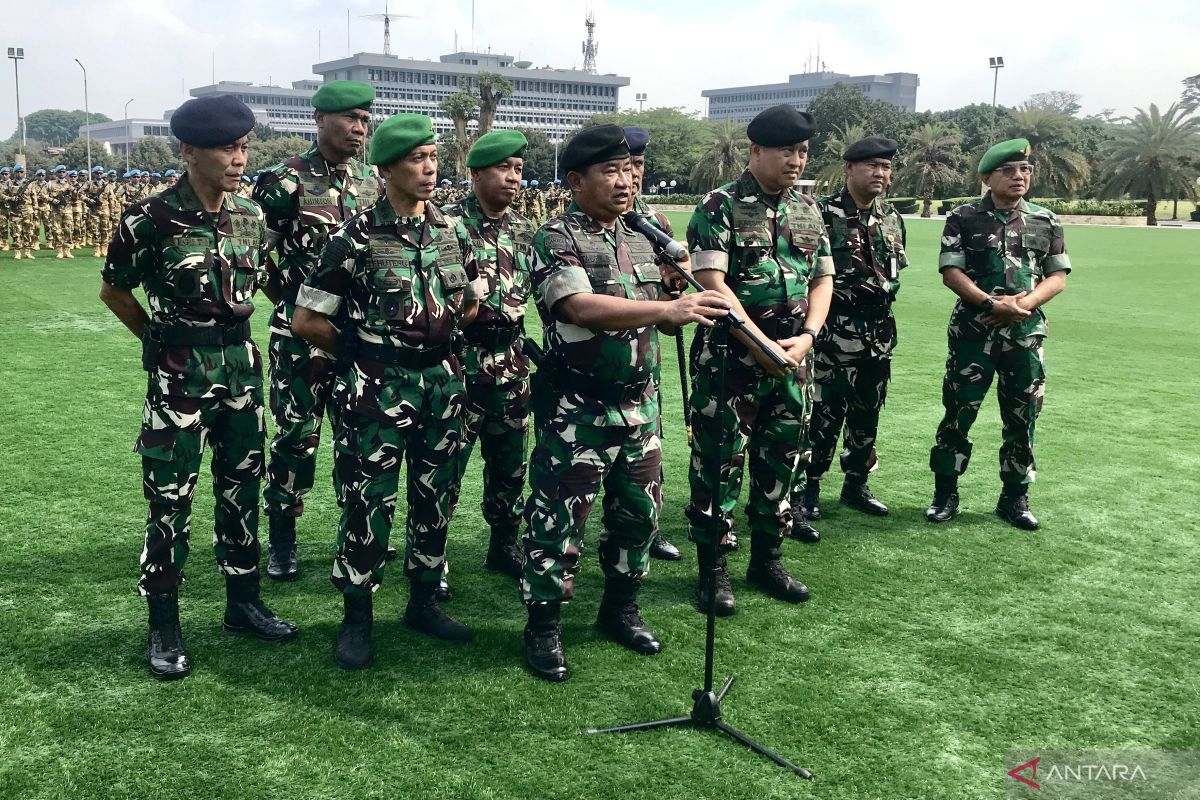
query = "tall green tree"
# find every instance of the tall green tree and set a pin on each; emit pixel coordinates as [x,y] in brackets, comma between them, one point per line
[829,176]
[678,140]
[845,104]
[263,154]
[493,87]
[1058,100]
[539,156]
[1153,156]
[55,126]
[461,107]
[75,154]
[931,158]
[1190,100]
[724,159]
[1061,169]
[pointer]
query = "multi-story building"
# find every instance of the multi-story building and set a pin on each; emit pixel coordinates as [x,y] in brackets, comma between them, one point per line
[287,109]
[742,103]
[120,134]
[553,101]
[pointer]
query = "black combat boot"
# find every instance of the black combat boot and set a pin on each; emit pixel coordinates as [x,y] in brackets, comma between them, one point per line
[810,500]
[282,562]
[767,573]
[168,661]
[543,642]
[422,614]
[857,494]
[945,499]
[725,605]
[663,550]
[619,618]
[503,555]
[245,611]
[354,639]
[1013,508]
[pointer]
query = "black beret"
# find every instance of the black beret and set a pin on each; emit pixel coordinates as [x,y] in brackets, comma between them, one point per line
[780,126]
[594,146]
[870,147]
[212,121]
[637,138]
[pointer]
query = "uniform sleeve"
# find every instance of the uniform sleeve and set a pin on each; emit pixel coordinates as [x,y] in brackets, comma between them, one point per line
[557,270]
[324,290]
[823,259]
[952,254]
[708,234]
[264,249]
[477,283]
[276,195]
[131,252]
[1057,259]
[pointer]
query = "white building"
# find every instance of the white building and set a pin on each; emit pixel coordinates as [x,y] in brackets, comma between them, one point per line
[743,103]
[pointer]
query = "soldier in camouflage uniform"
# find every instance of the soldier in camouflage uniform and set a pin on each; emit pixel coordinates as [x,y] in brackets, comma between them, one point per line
[79,180]
[597,291]
[59,198]
[110,209]
[5,208]
[305,198]
[41,210]
[638,138]
[1005,258]
[496,369]
[24,204]
[854,353]
[197,251]
[93,200]
[405,276]
[762,244]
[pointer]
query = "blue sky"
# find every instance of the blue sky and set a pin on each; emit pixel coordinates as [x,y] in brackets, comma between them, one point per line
[1117,55]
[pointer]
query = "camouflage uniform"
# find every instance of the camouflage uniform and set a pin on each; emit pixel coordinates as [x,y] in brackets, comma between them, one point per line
[5,210]
[205,373]
[94,220]
[596,406]
[1003,252]
[497,371]
[769,256]
[853,361]
[402,284]
[24,204]
[61,196]
[305,199]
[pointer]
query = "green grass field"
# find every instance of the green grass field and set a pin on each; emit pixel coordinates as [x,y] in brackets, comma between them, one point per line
[925,654]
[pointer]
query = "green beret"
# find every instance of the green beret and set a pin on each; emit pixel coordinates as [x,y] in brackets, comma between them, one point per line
[495,146]
[997,154]
[398,136]
[342,96]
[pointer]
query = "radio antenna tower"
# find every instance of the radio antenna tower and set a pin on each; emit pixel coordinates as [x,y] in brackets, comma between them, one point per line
[590,47]
[386,18]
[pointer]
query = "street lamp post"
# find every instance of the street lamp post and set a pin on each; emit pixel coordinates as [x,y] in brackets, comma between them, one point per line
[87,115]
[663,185]
[16,54]
[556,143]
[128,134]
[996,64]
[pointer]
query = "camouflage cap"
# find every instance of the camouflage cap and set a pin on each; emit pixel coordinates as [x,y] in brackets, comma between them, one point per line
[780,126]
[594,145]
[1009,150]
[495,146]
[870,147]
[398,136]
[337,96]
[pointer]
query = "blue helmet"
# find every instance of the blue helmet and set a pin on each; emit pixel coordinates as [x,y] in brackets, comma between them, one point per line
[39,173]
[97,168]
[533,182]
[72,173]
[446,181]
[18,167]
[156,175]
[524,183]
[112,173]
[5,170]
[245,178]
[170,173]
[463,183]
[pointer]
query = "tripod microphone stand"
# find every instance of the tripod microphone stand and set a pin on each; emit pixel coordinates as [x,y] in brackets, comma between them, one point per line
[706,703]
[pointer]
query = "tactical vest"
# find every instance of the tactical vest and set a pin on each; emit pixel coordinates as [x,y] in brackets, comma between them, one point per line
[191,263]
[319,210]
[392,276]
[758,273]
[604,273]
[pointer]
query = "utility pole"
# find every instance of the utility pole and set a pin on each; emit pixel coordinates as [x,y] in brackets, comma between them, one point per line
[87,115]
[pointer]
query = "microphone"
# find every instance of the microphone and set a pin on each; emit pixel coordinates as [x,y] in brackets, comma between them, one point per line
[661,240]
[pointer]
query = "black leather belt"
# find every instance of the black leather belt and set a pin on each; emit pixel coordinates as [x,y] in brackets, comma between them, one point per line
[493,335]
[408,358]
[189,336]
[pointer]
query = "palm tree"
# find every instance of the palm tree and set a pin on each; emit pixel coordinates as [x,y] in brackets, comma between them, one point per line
[493,87]
[461,107]
[1061,169]
[932,159]
[1153,156]
[830,176]
[724,160]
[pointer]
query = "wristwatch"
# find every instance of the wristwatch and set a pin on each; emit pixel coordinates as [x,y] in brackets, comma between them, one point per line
[988,305]
[810,332]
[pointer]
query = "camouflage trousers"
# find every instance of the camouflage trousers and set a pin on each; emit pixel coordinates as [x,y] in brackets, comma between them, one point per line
[62,226]
[24,229]
[757,415]
[174,433]
[1020,387]
[425,433]
[846,393]
[569,464]
[301,381]
[497,416]
[4,229]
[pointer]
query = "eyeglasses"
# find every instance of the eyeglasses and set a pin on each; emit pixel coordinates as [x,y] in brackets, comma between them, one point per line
[1008,170]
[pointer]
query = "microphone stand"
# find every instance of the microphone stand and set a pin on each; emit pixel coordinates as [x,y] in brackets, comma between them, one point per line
[706,703]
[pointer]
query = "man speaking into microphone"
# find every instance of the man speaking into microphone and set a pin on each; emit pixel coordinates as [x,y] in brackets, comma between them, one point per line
[595,396]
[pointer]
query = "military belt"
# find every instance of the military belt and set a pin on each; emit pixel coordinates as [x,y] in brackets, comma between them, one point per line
[189,336]
[495,335]
[408,358]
